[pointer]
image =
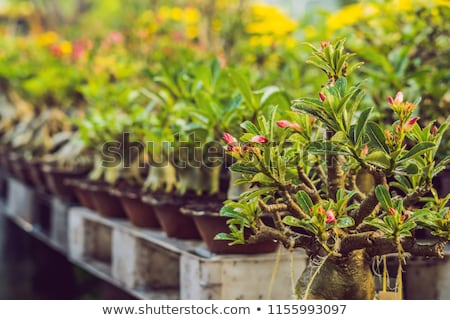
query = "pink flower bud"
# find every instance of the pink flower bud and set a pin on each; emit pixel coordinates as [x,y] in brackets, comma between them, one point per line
[324,44]
[434,130]
[288,124]
[259,139]
[330,217]
[399,97]
[322,97]
[228,138]
[410,123]
[392,211]
[365,151]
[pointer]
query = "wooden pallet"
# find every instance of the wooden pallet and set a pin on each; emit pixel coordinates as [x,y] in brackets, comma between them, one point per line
[147,260]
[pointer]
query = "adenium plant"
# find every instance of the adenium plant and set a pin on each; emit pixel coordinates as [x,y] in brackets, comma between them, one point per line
[338,184]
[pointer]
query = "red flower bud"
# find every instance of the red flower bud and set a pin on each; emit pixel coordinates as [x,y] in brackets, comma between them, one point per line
[390,100]
[392,211]
[322,97]
[330,217]
[228,138]
[259,139]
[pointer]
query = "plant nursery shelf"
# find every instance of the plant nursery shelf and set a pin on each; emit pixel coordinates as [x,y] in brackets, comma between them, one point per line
[145,263]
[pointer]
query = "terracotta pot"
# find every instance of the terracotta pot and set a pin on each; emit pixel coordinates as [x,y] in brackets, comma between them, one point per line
[36,175]
[141,214]
[210,223]
[106,204]
[4,159]
[20,168]
[173,222]
[81,191]
[56,180]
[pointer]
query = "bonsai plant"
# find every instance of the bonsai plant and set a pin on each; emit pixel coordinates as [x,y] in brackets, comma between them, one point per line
[341,186]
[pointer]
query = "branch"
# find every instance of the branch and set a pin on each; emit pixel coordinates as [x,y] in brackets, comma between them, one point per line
[377,245]
[289,239]
[309,187]
[370,203]
[414,197]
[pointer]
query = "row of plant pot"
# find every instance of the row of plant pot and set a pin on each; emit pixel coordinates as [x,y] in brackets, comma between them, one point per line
[182,217]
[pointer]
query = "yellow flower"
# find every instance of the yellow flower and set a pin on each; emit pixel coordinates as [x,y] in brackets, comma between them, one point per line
[216,25]
[351,14]
[66,48]
[176,14]
[164,13]
[47,38]
[192,32]
[290,43]
[191,15]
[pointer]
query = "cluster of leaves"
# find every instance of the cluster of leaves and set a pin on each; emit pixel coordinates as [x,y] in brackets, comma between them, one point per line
[334,172]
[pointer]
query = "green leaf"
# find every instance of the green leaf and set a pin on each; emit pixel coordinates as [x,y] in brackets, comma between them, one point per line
[304,201]
[377,136]
[383,197]
[269,92]
[244,88]
[224,236]
[341,85]
[379,158]
[417,150]
[326,148]
[361,124]
[250,127]
[345,222]
[304,224]
[241,168]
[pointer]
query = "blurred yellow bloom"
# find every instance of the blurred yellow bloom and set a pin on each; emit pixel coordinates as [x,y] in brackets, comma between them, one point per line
[47,38]
[164,13]
[290,43]
[216,25]
[351,14]
[192,31]
[191,15]
[269,23]
[176,14]
[66,48]
[354,13]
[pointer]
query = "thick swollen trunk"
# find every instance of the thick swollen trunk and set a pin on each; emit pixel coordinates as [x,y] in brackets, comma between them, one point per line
[200,180]
[346,278]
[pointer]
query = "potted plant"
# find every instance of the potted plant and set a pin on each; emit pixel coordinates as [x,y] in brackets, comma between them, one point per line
[339,185]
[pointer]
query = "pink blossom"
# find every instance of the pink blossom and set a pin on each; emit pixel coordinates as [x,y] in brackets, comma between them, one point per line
[288,124]
[322,97]
[330,217]
[115,37]
[228,138]
[365,150]
[259,139]
[398,98]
